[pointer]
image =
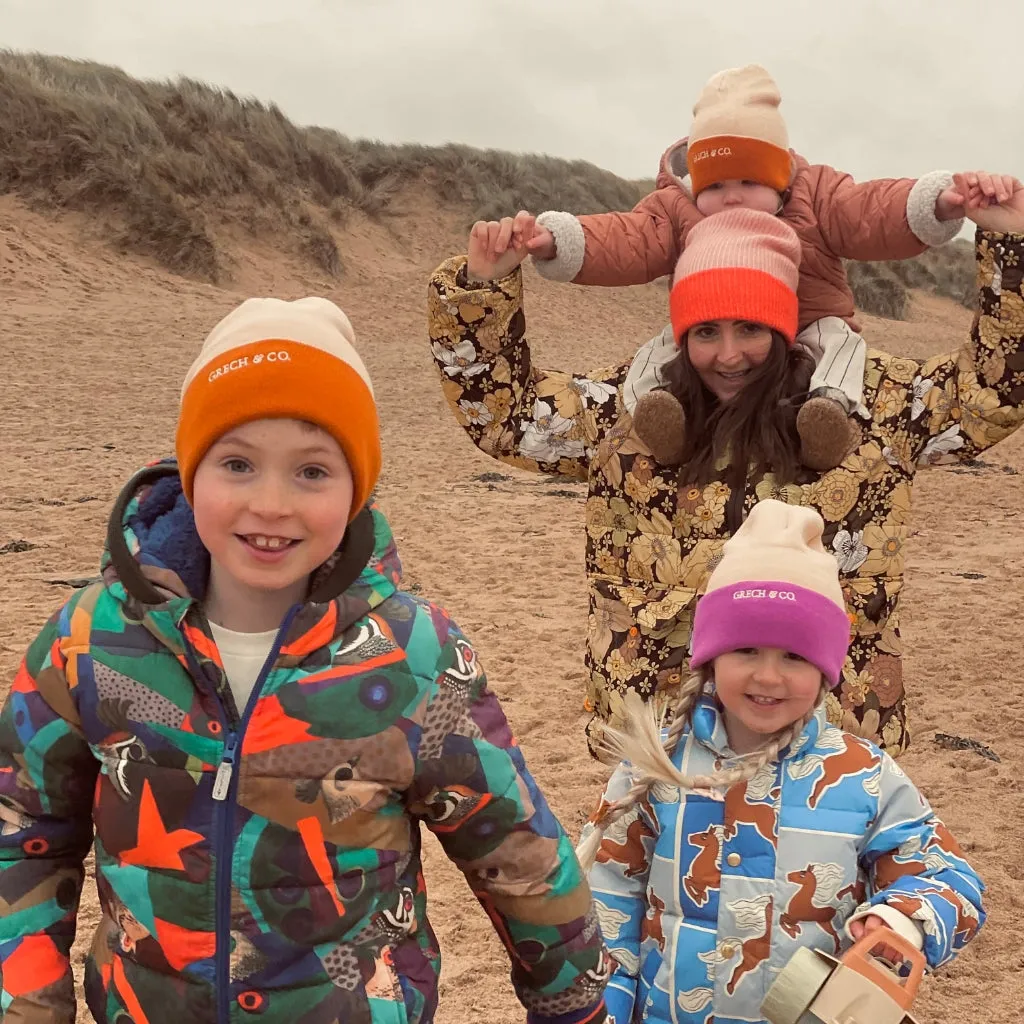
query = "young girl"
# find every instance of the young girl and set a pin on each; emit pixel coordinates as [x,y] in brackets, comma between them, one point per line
[254,720]
[752,827]
[737,155]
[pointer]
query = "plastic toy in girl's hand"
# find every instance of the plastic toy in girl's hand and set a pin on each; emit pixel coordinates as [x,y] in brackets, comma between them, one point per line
[815,988]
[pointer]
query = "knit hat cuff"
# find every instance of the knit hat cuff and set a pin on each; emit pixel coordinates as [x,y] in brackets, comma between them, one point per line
[302,382]
[771,614]
[733,293]
[733,157]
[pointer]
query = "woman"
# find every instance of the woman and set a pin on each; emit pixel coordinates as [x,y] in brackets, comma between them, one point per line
[654,531]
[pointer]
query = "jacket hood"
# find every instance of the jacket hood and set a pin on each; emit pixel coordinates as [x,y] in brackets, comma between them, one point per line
[154,552]
[673,170]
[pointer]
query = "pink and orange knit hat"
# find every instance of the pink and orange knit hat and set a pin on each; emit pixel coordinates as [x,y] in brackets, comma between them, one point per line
[776,586]
[738,265]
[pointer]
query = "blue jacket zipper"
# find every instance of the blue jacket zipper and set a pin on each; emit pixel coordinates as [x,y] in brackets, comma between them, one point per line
[225,786]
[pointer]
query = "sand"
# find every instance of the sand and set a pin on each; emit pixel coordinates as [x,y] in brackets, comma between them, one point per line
[95,346]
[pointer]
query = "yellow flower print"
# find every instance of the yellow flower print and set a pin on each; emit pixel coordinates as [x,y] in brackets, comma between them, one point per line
[866,728]
[655,615]
[619,670]
[854,690]
[558,386]
[682,524]
[611,516]
[699,562]
[868,463]
[716,493]
[791,494]
[661,550]
[885,542]
[894,736]
[899,502]
[608,564]
[640,490]
[990,332]
[499,402]
[606,618]
[708,519]
[833,709]
[902,371]
[890,400]
[1011,314]
[835,494]
[993,368]
[976,409]
[637,568]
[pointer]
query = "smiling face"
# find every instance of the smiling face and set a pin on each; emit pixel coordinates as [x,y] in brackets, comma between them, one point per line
[271,501]
[763,691]
[725,352]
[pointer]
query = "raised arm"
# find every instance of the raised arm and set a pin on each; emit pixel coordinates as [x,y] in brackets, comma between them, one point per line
[543,420]
[883,219]
[954,406]
[615,249]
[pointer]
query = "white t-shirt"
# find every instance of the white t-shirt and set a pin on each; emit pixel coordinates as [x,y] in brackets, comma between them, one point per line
[243,655]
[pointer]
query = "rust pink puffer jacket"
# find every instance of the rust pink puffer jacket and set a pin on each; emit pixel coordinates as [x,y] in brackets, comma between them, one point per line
[835,218]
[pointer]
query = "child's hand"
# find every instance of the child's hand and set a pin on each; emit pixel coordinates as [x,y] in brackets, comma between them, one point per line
[872,923]
[973,190]
[995,202]
[497,247]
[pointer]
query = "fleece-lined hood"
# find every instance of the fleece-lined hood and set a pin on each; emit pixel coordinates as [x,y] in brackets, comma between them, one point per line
[154,559]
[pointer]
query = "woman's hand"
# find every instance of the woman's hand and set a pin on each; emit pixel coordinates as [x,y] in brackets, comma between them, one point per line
[497,247]
[871,923]
[995,202]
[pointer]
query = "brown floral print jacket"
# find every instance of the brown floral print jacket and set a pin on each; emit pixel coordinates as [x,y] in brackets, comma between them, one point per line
[653,538]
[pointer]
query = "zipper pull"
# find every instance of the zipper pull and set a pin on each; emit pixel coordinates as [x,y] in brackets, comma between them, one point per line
[222,782]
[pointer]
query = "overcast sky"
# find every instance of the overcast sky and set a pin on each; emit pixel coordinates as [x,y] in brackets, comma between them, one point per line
[875,88]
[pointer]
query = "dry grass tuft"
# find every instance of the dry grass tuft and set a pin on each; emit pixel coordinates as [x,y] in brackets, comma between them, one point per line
[166,163]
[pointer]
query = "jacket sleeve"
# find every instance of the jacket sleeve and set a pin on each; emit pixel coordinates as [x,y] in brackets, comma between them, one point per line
[618,880]
[952,407]
[884,219]
[915,866]
[47,775]
[541,420]
[473,791]
[615,249]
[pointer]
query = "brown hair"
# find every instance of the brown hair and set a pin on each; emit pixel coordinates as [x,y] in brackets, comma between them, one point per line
[757,429]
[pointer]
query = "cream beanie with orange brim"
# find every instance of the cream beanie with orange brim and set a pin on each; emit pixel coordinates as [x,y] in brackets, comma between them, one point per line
[738,132]
[273,359]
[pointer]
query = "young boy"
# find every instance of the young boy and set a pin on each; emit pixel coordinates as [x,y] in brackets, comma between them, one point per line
[254,718]
[737,155]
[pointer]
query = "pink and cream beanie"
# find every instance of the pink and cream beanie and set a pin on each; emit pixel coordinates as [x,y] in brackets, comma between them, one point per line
[738,265]
[776,586]
[270,359]
[738,132]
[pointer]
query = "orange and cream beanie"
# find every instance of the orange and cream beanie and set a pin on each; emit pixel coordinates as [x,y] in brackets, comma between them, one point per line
[737,265]
[272,359]
[738,132]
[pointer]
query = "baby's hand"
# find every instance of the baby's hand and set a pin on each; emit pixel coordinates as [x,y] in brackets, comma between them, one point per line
[973,190]
[539,242]
[859,928]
